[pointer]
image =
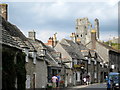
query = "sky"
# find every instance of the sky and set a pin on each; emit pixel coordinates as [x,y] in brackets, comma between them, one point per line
[51,16]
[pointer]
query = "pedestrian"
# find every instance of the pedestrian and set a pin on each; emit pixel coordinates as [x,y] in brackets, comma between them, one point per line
[54,80]
[58,80]
[87,79]
[84,80]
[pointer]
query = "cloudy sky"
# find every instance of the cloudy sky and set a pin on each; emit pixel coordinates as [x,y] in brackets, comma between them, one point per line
[49,17]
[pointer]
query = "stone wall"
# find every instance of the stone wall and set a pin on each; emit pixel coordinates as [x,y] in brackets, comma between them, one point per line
[30,70]
[41,74]
[102,51]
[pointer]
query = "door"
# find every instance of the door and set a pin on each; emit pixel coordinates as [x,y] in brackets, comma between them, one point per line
[34,81]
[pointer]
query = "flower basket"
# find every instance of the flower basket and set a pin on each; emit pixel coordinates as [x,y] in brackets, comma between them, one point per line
[62,83]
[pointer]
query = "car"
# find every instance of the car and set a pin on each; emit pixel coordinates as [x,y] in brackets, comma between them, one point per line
[113,81]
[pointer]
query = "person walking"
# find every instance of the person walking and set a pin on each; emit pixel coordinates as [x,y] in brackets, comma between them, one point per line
[58,80]
[84,80]
[54,80]
[87,79]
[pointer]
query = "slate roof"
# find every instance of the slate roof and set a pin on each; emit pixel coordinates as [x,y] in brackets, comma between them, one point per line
[72,49]
[78,50]
[108,47]
[38,45]
[13,30]
[83,49]
[10,34]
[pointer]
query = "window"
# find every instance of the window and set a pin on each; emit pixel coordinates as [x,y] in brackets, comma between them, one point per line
[76,76]
[81,35]
[86,58]
[28,81]
[95,75]
[89,61]
[95,62]
[34,57]
[27,53]
[75,62]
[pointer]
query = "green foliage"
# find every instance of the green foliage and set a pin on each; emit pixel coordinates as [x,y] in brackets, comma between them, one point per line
[113,45]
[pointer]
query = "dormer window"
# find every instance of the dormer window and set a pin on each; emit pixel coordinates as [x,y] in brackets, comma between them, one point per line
[89,61]
[34,57]
[95,62]
[26,51]
[74,62]
[43,52]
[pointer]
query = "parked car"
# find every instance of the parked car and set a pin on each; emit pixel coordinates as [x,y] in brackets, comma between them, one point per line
[113,81]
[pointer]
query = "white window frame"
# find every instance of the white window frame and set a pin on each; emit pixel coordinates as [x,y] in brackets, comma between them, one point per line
[95,75]
[26,51]
[28,81]
[78,76]
[75,62]
[89,61]
[95,62]
[34,57]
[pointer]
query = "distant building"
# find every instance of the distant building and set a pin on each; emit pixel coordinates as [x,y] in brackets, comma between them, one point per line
[115,40]
[81,61]
[83,30]
[89,37]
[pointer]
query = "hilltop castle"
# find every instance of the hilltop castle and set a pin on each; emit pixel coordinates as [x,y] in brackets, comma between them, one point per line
[84,29]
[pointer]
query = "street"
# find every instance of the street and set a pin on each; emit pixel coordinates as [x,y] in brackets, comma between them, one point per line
[101,85]
[91,86]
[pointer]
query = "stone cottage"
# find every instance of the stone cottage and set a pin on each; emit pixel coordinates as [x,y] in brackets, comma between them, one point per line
[13,59]
[47,64]
[81,61]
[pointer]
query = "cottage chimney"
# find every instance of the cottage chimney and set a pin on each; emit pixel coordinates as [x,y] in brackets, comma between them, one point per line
[32,35]
[3,11]
[72,36]
[50,42]
[54,39]
[93,39]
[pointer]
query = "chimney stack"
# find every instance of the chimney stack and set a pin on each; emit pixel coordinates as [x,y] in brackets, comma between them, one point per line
[93,39]
[52,41]
[3,11]
[32,35]
[72,36]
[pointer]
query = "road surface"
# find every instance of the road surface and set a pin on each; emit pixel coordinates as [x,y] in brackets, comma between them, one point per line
[97,86]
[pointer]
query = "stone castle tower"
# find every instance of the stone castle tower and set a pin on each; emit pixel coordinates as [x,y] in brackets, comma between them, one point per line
[3,11]
[83,30]
[96,24]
